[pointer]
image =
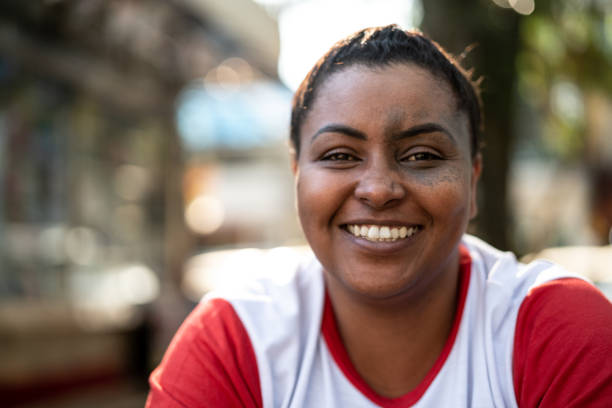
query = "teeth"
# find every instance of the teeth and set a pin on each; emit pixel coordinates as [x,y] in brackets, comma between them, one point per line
[385,233]
[394,233]
[378,233]
[373,233]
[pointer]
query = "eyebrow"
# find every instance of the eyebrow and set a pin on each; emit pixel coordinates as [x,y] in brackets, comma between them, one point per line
[423,128]
[429,127]
[337,128]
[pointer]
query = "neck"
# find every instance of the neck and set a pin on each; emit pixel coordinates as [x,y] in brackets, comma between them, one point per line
[394,344]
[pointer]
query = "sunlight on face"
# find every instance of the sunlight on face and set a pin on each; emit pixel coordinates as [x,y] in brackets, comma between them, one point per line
[385,150]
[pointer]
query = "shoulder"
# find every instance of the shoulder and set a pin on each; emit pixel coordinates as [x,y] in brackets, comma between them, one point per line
[210,361]
[503,279]
[285,290]
[227,352]
[264,285]
[567,303]
[552,330]
[292,299]
[562,346]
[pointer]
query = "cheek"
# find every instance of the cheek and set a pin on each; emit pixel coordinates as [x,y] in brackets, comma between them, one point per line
[319,196]
[447,195]
[313,198]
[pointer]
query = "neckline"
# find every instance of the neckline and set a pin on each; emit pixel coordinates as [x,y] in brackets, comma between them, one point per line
[331,335]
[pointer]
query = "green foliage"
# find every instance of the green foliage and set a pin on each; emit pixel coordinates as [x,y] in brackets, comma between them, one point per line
[566,54]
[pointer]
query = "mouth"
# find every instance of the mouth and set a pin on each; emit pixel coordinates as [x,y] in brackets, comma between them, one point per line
[382,233]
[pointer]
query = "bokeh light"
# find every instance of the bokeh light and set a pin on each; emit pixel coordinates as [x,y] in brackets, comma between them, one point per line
[205,214]
[309,28]
[82,246]
[131,182]
[218,269]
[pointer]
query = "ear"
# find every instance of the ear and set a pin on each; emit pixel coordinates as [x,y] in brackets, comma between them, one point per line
[476,170]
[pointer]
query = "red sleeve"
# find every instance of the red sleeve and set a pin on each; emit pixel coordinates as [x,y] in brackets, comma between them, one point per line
[563,347]
[209,363]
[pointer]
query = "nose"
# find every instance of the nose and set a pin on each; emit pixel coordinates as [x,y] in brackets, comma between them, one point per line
[379,187]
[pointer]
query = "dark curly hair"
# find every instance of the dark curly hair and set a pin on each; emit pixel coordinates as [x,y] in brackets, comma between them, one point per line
[383,46]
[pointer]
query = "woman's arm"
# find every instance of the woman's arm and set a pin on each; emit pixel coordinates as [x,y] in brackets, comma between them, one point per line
[209,363]
[563,347]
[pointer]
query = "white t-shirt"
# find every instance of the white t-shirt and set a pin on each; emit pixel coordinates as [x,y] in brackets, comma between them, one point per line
[273,342]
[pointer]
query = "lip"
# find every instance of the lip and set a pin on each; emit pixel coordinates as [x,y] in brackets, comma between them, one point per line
[383,247]
[369,221]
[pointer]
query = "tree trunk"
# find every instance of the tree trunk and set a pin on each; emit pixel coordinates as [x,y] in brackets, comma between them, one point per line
[494,31]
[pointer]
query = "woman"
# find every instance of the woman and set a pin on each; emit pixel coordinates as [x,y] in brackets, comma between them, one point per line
[399,308]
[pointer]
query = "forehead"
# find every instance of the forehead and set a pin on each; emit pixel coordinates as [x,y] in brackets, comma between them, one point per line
[393,96]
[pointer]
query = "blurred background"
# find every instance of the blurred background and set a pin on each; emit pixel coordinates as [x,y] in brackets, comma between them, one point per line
[144,160]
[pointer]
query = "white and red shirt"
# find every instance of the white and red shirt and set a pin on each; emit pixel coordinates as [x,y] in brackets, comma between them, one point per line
[523,335]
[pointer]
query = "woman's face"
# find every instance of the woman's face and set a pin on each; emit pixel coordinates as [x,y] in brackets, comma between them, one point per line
[385,180]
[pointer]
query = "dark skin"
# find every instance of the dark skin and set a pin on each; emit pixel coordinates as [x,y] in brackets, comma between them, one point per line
[386,147]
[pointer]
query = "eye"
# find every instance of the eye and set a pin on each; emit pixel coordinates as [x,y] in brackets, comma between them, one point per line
[339,156]
[422,156]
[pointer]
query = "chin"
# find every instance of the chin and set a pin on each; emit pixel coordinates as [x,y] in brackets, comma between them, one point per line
[377,287]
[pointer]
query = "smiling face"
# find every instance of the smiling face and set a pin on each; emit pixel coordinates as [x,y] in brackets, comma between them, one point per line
[385,180]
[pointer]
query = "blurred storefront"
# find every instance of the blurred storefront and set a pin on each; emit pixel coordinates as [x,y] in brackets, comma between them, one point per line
[126,128]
